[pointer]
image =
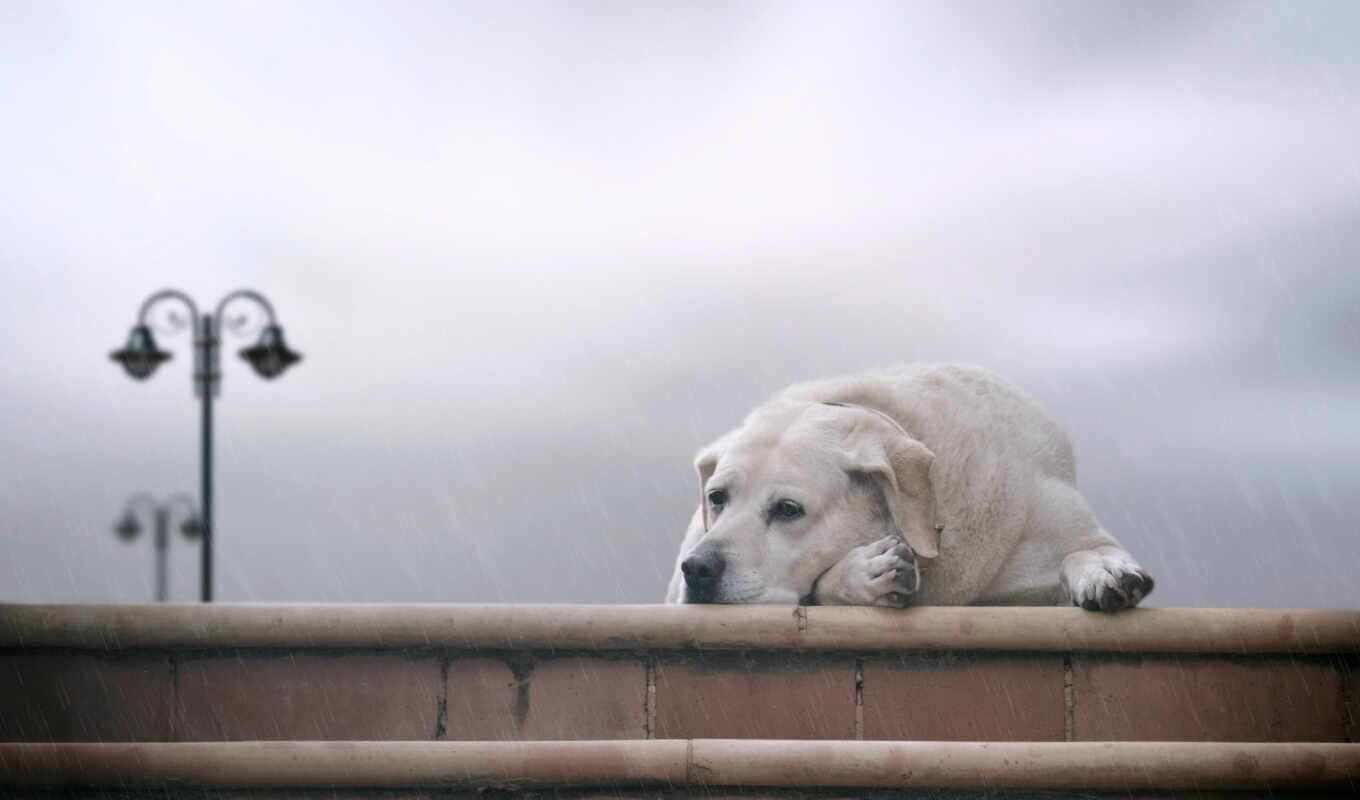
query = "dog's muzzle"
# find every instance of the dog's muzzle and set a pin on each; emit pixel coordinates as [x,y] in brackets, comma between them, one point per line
[703,570]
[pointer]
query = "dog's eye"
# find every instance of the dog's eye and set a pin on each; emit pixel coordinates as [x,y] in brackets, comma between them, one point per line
[786,510]
[718,498]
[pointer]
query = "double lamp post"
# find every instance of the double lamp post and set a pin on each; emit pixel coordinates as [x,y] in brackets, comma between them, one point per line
[269,356]
[129,527]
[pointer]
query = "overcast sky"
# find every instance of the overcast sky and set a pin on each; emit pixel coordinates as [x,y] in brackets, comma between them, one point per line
[537,254]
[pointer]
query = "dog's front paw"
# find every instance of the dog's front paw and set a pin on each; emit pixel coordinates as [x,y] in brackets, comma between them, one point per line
[1105,579]
[879,574]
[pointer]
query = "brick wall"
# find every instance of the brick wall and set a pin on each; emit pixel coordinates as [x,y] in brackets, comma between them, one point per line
[121,689]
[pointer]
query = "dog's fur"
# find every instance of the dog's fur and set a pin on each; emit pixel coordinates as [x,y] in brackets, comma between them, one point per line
[875,463]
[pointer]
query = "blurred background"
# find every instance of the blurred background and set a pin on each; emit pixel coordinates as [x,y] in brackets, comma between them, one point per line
[537,254]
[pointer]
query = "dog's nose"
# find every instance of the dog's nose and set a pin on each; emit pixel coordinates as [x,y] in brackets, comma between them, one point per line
[702,570]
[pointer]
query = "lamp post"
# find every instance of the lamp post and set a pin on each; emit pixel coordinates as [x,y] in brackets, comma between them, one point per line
[269,357]
[129,527]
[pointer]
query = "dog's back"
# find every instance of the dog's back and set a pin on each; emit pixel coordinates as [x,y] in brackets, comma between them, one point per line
[953,407]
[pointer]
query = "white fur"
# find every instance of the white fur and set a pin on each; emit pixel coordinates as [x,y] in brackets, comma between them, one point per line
[1015,529]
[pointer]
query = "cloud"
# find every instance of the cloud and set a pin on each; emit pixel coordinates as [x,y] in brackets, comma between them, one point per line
[536,255]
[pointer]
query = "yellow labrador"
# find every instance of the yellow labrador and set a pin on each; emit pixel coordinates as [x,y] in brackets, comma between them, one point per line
[927,484]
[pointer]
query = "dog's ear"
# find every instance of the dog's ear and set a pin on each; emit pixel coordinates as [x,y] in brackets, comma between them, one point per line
[705,463]
[900,466]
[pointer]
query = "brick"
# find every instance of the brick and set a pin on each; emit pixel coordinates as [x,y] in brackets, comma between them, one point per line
[755,696]
[307,696]
[1202,698]
[587,698]
[74,697]
[483,700]
[964,697]
[550,698]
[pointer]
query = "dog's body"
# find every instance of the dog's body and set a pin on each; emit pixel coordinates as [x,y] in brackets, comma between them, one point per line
[832,491]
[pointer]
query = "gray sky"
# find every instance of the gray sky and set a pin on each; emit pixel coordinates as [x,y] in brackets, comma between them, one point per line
[537,254]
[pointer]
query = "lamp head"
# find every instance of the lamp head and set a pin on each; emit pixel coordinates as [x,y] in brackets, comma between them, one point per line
[140,356]
[270,356]
[192,528]
[128,527]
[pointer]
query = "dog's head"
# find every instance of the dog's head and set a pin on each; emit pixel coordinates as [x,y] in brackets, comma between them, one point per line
[793,490]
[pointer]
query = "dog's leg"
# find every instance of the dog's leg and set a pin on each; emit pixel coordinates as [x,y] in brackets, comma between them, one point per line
[1096,574]
[879,574]
[1104,578]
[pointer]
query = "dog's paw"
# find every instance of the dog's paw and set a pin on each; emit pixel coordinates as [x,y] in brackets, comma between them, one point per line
[879,574]
[1106,579]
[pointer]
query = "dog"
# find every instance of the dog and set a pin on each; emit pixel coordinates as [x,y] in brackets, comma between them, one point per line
[920,485]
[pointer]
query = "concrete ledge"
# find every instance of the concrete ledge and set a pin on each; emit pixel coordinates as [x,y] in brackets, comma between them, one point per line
[696,762]
[584,627]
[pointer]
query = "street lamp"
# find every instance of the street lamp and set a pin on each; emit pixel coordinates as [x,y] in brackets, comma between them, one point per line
[269,356]
[129,527]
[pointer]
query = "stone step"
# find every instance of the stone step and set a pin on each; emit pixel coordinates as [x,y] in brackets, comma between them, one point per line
[697,765]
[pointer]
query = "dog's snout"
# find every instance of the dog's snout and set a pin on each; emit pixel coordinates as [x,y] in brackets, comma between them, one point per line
[703,569]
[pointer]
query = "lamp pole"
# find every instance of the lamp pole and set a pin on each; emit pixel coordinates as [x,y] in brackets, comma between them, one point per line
[269,356]
[129,527]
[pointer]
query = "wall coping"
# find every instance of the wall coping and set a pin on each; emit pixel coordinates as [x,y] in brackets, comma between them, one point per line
[663,627]
[695,762]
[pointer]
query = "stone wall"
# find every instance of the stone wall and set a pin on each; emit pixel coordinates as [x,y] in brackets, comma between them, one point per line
[227,695]
[423,673]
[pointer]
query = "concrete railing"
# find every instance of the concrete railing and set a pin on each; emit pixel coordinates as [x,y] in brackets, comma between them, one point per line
[440,686]
[614,627]
[700,763]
